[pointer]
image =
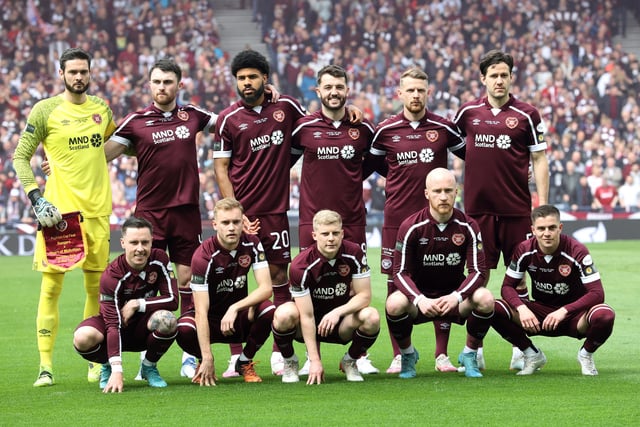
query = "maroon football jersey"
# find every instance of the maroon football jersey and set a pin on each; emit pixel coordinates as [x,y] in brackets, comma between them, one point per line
[499,147]
[223,273]
[332,165]
[258,141]
[412,150]
[120,283]
[430,257]
[327,281]
[568,278]
[165,146]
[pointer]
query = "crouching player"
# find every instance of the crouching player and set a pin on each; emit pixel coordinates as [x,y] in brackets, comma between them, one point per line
[138,293]
[225,310]
[567,294]
[433,246]
[331,290]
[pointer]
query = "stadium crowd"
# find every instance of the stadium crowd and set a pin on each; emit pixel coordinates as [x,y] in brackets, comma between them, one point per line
[567,65]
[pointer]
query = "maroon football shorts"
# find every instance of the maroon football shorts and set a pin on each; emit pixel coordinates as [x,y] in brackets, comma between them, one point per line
[502,234]
[177,229]
[275,237]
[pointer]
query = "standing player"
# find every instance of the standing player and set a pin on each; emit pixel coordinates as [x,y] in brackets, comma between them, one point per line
[331,289]
[567,294]
[72,128]
[252,160]
[413,143]
[503,135]
[434,244]
[138,294]
[163,137]
[225,310]
[333,167]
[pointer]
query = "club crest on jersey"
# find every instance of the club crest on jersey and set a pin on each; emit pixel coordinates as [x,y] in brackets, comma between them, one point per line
[153,276]
[354,133]
[244,261]
[97,119]
[564,270]
[431,135]
[457,239]
[343,270]
[278,115]
[183,115]
[511,122]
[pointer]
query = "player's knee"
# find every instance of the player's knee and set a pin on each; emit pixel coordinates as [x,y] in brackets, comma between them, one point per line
[286,317]
[370,320]
[483,300]
[601,316]
[396,304]
[86,337]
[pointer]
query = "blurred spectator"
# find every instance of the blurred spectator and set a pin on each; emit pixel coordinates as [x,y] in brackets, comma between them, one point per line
[612,171]
[377,183]
[606,197]
[570,182]
[556,172]
[581,199]
[629,195]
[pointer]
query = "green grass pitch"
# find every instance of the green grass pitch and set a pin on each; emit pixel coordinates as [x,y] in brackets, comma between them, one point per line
[558,395]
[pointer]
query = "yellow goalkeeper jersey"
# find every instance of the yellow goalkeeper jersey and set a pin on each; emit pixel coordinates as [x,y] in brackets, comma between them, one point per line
[73,137]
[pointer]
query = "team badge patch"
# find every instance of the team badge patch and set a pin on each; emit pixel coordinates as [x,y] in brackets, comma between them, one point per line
[457,239]
[97,119]
[153,276]
[183,115]
[244,261]
[62,226]
[278,116]
[511,122]
[343,270]
[431,135]
[564,270]
[354,133]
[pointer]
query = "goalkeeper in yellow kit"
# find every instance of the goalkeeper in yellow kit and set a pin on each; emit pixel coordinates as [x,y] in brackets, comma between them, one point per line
[73,128]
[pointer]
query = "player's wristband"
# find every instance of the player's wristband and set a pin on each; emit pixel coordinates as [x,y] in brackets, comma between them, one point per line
[116,368]
[143,305]
[417,299]
[34,195]
[458,296]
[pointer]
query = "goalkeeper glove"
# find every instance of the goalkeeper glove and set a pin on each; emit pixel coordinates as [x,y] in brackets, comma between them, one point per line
[47,214]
